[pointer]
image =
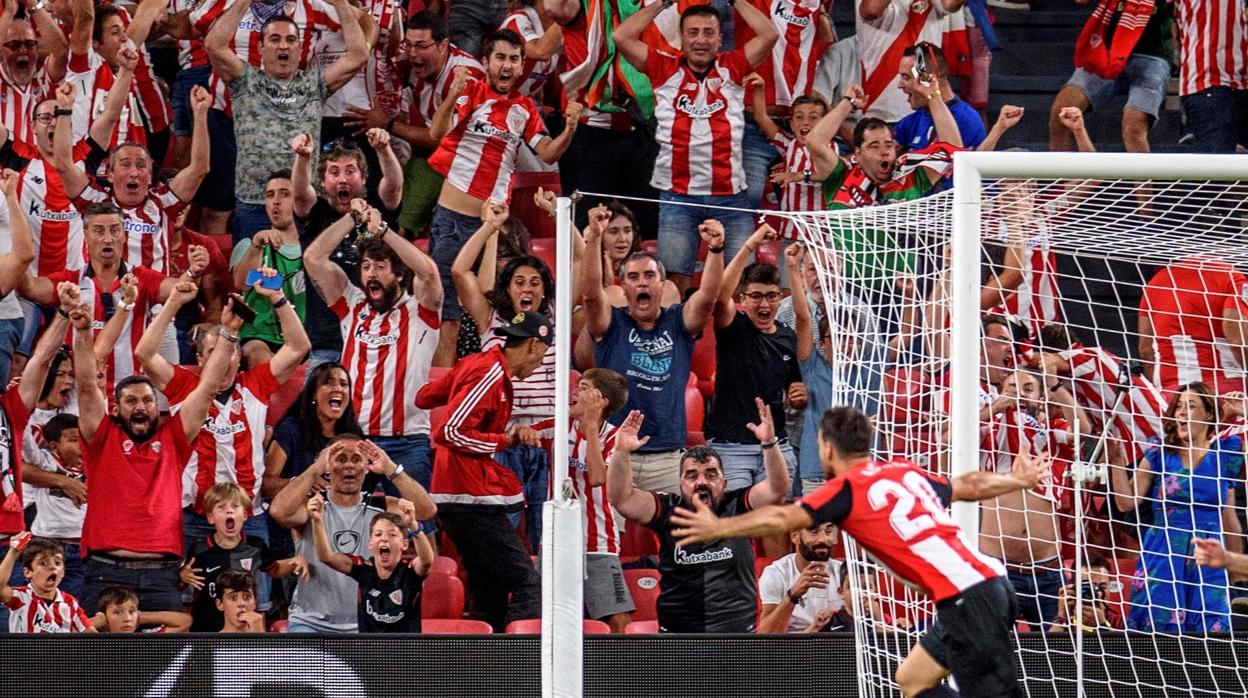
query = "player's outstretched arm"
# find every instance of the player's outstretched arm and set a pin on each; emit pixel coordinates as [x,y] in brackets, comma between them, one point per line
[1028,471]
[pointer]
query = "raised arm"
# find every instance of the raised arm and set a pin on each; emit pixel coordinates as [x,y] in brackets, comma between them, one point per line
[195,407]
[551,149]
[40,360]
[12,554]
[14,265]
[1028,471]
[754,85]
[390,189]
[758,48]
[147,351]
[225,61]
[725,308]
[593,296]
[288,506]
[440,123]
[345,68]
[105,124]
[301,174]
[145,16]
[946,127]
[635,504]
[72,177]
[802,321]
[627,36]
[379,462]
[823,158]
[187,181]
[340,562]
[776,486]
[84,23]
[472,296]
[295,342]
[53,44]
[91,404]
[1072,119]
[1007,119]
[701,304]
[329,278]
[106,338]
[1129,490]
[427,282]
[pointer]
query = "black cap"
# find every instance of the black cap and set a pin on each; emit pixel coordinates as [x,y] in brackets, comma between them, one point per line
[533,325]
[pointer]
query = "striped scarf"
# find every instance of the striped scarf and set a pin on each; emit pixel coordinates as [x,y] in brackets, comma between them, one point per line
[1091,52]
[600,75]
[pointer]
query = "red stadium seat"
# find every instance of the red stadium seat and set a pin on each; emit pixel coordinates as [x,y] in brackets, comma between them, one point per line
[695,409]
[703,362]
[279,626]
[443,564]
[533,626]
[422,244]
[286,395]
[651,246]
[523,186]
[695,438]
[760,564]
[643,586]
[642,627]
[638,540]
[544,249]
[442,597]
[445,626]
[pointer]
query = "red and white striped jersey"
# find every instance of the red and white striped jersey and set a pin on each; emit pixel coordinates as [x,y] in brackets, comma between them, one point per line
[1001,439]
[1137,419]
[191,54]
[584,49]
[31,613]
[796,196]
[148,227]
[311,17]
[54,221]
[1037,301]
[230,447]
[790,69]
[387,355]
[899,514]
[92,78]
[422,97]
[1185,303]
[700,124]
[602,537]
[18,101]
[154,113]
[121,363]
[526,22]
[478,155]
[533,398]
[881,42]
[378,82]
[1213,49]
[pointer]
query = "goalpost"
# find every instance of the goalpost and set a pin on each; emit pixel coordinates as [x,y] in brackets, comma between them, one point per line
[1056,250]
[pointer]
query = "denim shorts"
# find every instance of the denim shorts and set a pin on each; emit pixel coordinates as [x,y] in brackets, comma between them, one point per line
[187,78]
[447,234]
[1144,81]
[678,227]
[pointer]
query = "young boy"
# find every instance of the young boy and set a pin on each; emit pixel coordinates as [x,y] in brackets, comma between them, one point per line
[39,606]
[236,602]
[60,505]
[119,613]
[389,599]
[227,548]
[599,394]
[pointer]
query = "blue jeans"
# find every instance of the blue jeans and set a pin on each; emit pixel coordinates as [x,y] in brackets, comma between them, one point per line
[532,466]
[411,452]
[196,527]
[301,628]
[757,155]
[249,219]
[448,231]
[1037,596]
[1218,118]
[157,586]
[323,356]
[33,317]
[11,332]
[187,78]
[678,227]
[743,463]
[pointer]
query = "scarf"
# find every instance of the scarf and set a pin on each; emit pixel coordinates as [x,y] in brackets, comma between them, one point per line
[1091,52]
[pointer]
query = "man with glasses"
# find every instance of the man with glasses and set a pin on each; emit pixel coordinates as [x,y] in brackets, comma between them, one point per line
[757,366]
[29,67]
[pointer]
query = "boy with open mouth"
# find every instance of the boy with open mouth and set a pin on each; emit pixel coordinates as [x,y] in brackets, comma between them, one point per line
[39,606]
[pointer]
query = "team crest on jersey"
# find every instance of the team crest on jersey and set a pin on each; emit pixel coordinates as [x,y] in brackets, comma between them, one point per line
[127,446]
[245,564]
[396,597]
[919,6]
[713,84]
[156,446]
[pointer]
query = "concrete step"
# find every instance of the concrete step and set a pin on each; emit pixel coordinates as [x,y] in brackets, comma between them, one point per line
[1034,57]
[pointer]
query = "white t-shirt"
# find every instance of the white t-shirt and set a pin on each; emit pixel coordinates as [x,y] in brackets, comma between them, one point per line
[781,575]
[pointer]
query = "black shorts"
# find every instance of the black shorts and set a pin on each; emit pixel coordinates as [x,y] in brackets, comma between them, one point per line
[973,638]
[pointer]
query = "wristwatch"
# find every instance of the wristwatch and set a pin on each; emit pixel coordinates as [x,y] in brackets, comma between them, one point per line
[62,112]
[398,470]
[39,5]
[797,600]
[715,250]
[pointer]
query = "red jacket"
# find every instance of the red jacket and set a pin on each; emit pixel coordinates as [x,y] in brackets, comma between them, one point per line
[470,432]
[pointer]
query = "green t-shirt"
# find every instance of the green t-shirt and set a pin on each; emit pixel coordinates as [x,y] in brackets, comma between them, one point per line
[288,261]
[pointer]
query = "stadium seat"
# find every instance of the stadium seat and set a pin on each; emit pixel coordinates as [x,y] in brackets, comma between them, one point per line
[286,395]
[533,626]
[523,186]
[279,626]
[760,564]
[457,626]
[422,244]
[638,540]
[695,409]
[704,363]
[695,438]
[544,249]
[443,564]
[1022,627]
[643,586]
[642,627]
[442,597]
[651,246]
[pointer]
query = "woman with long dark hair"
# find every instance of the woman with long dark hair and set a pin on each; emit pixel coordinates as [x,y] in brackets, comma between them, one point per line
[322,411]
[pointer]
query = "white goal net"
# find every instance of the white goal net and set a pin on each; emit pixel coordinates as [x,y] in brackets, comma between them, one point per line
[1068,309]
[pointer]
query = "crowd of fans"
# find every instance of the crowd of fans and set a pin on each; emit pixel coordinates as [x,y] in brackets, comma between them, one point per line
[338,211]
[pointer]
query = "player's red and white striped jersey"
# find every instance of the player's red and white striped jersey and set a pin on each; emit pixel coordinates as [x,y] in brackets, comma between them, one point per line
[121,363]
[789,71]
[311,17]
[387,356]
[55,222]
[422,97]
[1137,419]
[1037,301]
[602,537]
[526,22]
[533,398]
[700,124]
[30,613]
[1185,303]
[1001,439]
[899,514]
[478,155]
[17,102]
[92,78]
[1213,48]
[379,81]
[881,42]
[796,196]
[230,447]
[191,54]
[149,228]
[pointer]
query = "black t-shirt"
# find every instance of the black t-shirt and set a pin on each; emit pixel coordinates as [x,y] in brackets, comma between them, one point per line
[250,554]
[750,364]
[387,605]
[706,588]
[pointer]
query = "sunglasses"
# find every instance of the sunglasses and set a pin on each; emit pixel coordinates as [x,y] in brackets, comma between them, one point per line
[343,143]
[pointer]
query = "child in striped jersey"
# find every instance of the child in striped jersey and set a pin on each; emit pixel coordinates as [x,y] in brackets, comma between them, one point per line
[39,606]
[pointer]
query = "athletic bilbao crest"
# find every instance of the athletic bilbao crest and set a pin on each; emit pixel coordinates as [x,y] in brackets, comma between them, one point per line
[396,597]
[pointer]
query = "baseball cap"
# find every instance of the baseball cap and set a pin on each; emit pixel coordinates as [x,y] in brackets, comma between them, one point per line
[528,325]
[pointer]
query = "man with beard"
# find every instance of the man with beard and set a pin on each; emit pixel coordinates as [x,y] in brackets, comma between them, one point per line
[343,176]
[802,591]
[30,65]
[325,601]
[277,100]
[705,588]
[132,533]
[389,327]
[481,127]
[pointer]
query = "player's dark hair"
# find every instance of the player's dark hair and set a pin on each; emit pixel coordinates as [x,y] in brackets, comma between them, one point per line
[62,356]
[868,124]
[1058,337]
[130,381]
[392,518]
[235,580]
[701,11]
[433,22]
[506,36]
[848,430]
[37,548]
[1096,561]
[283,17]
[378,251]
[101,16]
[1208,400]
[104,208]
[501,300]
[759,273]
[115,596]
[701,454]
[56,427]
[303,409]
[612,385]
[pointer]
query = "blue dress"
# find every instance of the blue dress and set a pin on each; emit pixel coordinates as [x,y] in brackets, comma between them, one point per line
[1170,592]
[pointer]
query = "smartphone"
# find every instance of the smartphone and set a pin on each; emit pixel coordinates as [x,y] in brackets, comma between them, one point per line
[272,283]
[921,71]
[242,310]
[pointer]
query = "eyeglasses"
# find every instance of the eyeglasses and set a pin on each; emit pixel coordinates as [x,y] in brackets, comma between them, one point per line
[343,143]
[44,118]
[406,45]
[18,44]
[759,296]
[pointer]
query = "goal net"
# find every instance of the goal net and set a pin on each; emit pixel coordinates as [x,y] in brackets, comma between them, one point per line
[1059,304]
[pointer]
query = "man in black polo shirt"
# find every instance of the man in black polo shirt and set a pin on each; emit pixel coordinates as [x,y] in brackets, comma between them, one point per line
[705,588]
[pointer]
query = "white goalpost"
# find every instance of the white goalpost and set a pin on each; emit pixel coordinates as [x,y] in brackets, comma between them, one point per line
[1007,317]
